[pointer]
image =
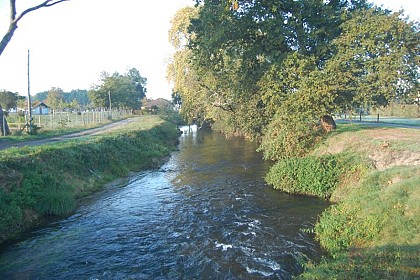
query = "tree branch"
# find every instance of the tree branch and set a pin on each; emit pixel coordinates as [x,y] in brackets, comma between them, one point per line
[15,19]
[12,10]
[225,107]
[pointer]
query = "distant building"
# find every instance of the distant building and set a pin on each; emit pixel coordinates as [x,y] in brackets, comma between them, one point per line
[158,104]
[40,109]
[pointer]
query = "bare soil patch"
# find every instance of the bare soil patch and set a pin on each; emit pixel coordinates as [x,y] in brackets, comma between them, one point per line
[385,147]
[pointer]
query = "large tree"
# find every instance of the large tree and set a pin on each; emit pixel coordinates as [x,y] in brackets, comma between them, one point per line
[55,98]
[14,19]
[233,51]
[180,72]
[119,91]
[278,70]
[8,99]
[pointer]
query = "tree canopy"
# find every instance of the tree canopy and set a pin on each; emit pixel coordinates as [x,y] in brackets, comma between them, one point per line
[116,90]
[278,70]
[8,99]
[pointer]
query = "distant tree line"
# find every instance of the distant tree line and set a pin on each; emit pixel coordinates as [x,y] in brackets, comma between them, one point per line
[123,91]
[78,96]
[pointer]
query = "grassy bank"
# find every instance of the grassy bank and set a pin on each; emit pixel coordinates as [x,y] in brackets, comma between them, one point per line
[373,175]
[48,179]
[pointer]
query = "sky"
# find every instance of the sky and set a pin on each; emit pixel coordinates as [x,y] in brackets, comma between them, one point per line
[73,42]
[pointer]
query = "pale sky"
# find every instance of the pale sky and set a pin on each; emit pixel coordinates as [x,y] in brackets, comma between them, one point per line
[73,42]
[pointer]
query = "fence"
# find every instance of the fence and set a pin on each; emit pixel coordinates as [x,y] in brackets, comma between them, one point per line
[59,120]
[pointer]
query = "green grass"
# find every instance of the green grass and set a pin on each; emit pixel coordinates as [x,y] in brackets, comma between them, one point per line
[49,130]
[375,232]
[47,179]
[393,120]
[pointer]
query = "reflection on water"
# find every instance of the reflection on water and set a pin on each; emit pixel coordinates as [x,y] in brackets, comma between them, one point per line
[207,214]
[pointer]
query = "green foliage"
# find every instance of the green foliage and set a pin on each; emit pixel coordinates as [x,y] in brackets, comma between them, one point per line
[273,69]
[55,98]
[10,212]
[242,64]
[172,116]
[8,100]
[310,175]
[290,135]
[79,96]
[40,96]
[119,91]
[376,59]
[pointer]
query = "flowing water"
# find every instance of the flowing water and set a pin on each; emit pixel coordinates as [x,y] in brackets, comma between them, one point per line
[206,214]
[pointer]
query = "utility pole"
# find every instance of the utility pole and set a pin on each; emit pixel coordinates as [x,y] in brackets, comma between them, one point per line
[110,107]
[29,124]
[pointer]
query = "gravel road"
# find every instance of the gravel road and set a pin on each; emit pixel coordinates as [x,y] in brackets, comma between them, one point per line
[94,131]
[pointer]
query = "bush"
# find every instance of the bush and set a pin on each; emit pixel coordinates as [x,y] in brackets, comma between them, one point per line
[310,175]
[288,137]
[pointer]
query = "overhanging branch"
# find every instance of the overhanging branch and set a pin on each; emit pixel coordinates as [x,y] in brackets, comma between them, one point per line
[224,107]
[15,19]
[48,3]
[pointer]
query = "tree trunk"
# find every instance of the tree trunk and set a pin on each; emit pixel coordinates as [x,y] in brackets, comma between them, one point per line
[7,37]
[328,123]
[3,124]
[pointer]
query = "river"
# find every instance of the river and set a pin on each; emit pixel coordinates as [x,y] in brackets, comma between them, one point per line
[206,214]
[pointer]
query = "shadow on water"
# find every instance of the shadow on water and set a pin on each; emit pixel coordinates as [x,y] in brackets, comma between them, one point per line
[206,214]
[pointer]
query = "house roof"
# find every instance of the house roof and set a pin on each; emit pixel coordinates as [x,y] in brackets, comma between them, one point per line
[39,104]
[160,102]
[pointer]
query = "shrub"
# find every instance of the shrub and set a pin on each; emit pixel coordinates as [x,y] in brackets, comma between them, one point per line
[287,137]
[310,175]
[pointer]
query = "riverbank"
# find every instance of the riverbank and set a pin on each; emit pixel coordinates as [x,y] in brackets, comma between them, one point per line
[49,179]
[373,176]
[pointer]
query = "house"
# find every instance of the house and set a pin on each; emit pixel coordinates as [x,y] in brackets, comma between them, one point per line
[40,109]
[158,104]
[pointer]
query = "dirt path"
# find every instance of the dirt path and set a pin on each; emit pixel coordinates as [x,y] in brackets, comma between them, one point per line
[88,132]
